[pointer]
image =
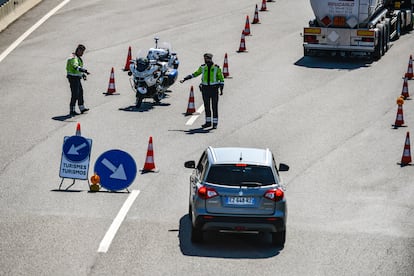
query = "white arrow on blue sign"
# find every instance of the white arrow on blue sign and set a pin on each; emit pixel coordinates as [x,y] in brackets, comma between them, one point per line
[116,170]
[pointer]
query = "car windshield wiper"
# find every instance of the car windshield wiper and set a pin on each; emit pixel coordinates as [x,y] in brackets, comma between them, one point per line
[251,184]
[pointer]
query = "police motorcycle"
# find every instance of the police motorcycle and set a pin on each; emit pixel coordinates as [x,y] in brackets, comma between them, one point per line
[154,74]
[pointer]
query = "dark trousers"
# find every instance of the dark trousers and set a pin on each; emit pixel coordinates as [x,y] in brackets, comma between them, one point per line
[210,99]
[76,91]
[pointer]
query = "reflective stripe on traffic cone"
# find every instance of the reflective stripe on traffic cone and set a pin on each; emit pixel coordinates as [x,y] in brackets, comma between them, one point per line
[256,16]
[128,60]
[191,106]
[247,26]
[406,157]
[149,165]
[404,91]
[78,130]
[111,85]
[263,8]
[409,73]
[242,47]
[226,72]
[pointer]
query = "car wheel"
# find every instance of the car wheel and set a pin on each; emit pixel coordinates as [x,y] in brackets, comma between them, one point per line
[279,238]
[196,235]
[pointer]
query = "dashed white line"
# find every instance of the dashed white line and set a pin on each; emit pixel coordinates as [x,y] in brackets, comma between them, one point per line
[110,234]
[194,117]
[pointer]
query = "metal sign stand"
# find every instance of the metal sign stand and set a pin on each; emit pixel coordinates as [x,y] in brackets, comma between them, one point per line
[73,183]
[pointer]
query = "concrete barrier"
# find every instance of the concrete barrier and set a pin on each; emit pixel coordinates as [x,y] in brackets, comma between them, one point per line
[13,9]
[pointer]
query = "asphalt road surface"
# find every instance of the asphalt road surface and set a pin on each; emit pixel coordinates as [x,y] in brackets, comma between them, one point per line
[351,208]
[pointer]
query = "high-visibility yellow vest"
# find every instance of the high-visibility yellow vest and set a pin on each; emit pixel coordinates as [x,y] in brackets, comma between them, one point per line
[74,66]
[216,75]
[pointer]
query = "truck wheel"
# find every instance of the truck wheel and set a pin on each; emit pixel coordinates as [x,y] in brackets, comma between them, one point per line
[378,51]
[398,29]
[279,238]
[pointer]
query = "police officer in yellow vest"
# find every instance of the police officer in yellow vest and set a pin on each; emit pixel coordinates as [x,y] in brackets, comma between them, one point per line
[212,80]
[74,73]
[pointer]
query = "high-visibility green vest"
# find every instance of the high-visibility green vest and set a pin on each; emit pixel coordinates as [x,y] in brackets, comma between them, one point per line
[73,66]
[216,75]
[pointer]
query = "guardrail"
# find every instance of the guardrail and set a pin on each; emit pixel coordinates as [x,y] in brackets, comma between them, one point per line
[13,9]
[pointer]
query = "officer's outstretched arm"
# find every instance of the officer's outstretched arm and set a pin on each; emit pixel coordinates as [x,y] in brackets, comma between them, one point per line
[186,78]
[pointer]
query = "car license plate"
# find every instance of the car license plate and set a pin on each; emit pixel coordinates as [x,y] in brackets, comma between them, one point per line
[240,200]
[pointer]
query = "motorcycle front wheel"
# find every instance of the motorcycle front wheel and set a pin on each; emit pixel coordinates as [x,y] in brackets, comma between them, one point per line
[158,96]
[139,100]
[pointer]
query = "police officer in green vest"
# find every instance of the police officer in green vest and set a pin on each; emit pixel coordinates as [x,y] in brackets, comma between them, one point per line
[212,80]
[74,73]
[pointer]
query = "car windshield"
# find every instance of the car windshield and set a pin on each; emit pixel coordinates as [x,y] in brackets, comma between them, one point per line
[240,175]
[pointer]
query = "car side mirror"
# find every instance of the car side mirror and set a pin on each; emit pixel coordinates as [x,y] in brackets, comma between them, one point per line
[283,167]
[189,164]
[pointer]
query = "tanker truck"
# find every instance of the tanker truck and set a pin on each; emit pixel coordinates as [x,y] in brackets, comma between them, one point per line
[363,28]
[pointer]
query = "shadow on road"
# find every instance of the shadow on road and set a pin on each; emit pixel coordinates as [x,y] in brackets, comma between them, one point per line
[63,118]
[333,63]
[226,245]
[145,106]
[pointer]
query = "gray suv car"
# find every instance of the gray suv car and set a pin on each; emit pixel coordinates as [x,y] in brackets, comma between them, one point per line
[237,189]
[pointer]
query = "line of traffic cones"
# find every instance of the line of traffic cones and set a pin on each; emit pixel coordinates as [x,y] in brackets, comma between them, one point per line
[399,121]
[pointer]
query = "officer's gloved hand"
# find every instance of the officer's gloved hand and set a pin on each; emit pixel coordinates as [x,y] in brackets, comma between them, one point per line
[221,89]
[84,77]
[86,72]
[186,78]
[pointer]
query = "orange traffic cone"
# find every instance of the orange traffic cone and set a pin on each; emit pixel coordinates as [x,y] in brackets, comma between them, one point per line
[128,60]
[111,86]
[256,16]
[263,8]
[409,73]
[399,120]
[404,91]
[78,130]
[191,106]
[226,72]
[149,165]
[406,157]
[247,26]
[242,47]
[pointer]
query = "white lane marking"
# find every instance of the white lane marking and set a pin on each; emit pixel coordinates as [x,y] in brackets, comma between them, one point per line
[31,30]
[110,234]
[194,117]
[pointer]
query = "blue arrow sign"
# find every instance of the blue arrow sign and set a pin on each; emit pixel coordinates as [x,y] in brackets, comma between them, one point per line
[76,148]
[116,169]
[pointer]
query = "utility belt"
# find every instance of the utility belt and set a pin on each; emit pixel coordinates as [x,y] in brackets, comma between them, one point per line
[206,86]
